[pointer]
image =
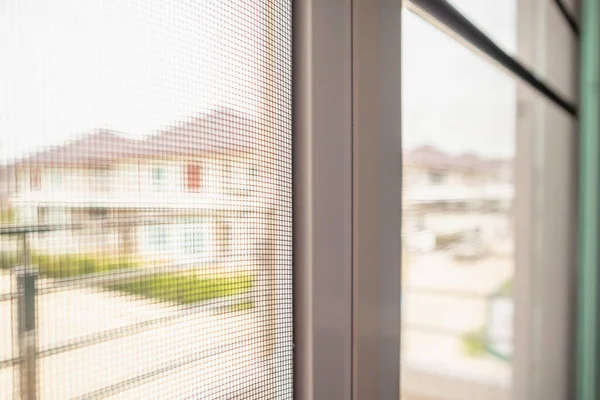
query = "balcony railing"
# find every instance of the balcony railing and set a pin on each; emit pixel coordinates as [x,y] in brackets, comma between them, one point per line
[34,286]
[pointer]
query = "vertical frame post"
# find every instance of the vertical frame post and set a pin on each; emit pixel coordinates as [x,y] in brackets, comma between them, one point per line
[588,353]
[322,195]
[377,197]
[347,198]
[26,315]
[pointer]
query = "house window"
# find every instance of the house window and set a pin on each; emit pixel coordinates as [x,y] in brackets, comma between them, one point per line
[98,213]
[224,237]
[35,179]
[157,237]
[254,172]
[240,180]
[100,179]
[18,183]
[57,180]
[158,179]
[228,177]
[437,178]
[51,215]
[43,215]
[193,179]
[193,240]
[254,176]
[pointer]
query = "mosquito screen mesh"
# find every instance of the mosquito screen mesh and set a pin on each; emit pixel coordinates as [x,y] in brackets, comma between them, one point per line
[145,199]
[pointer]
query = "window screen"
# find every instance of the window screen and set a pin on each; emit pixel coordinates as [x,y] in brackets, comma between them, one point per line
[145,199]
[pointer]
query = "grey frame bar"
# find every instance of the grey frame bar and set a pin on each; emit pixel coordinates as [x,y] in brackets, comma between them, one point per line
[322,160]
[347,198]
[377,198]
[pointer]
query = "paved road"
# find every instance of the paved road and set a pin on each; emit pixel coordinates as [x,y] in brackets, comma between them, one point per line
[200,353]
[193,353]
[442,300]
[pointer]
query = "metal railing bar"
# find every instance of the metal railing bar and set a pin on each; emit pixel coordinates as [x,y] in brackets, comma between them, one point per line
[443,15]
[117,333]
[103,278]
[7,297]
[178,219]
[133,329]
[9,362]
[150,376]
[26,229]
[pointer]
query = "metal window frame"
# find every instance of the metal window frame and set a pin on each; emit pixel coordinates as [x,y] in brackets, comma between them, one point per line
[346,105]
[545,253]
[546,199]
[589,221]
[546,227]
[347,198]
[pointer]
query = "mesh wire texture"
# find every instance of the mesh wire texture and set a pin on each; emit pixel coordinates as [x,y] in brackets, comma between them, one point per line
[146,196]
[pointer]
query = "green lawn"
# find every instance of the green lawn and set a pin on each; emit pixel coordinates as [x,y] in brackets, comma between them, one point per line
[8,260]
[474,343]
[506,289]
[185,289]
[165,287]
[241,307]
[66,265]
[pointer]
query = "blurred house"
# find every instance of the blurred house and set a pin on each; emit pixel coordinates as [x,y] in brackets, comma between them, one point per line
[434,180]
[446,195]
[194,192]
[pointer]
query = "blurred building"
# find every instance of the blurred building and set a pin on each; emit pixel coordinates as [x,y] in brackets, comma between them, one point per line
[447,195]
[191,192]
[437,181]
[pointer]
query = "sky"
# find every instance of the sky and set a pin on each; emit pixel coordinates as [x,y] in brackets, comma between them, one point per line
[452,98]
[72,66]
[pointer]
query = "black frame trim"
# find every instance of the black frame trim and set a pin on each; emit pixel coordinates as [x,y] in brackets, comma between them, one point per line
[447,15]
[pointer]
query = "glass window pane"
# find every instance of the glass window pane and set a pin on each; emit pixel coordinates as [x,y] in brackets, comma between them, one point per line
[459,123]
[128,129]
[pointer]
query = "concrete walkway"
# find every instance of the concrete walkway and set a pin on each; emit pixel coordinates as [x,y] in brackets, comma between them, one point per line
[442,300]
[197,354]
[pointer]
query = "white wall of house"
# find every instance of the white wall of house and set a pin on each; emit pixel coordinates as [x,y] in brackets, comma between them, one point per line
[420,176]
[179,243]
[133,182]
[204,242]
[230,189]
[427,185]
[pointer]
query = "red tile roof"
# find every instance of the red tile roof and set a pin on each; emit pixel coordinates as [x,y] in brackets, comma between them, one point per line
[220,131]
[434,158]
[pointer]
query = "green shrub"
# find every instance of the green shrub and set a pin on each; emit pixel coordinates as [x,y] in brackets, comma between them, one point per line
[7,217]
[65,265]
[9,260]
[447,240]
[69,265]
[474,343]
[169,288]
[243,306]
[506,289]
[185,289]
